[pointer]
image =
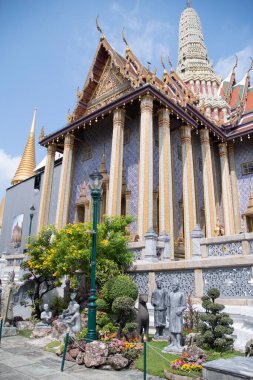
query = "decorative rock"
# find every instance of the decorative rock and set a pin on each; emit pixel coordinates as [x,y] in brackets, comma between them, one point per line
[191,338]
[80,358]
[73,352]
[59,330]
[194,350]
[24,325]
[95,354]
[118,362]
[41,333]
[69,358]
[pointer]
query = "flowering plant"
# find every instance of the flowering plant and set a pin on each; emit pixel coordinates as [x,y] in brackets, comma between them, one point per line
[122,346]
[189,363]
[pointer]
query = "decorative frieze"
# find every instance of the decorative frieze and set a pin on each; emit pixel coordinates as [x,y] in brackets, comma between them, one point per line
[225,249]
[232,282]
[186,280]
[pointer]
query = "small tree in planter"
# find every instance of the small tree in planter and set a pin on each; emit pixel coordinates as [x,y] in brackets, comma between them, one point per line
[215,325]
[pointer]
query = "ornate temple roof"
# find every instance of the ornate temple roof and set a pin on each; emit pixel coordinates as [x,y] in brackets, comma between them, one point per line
[27,163]
[194,93]
[193,61]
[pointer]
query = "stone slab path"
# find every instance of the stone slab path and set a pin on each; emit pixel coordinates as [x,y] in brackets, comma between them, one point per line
[21,361]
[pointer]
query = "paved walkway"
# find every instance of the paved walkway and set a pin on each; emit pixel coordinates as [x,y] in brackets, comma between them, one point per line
[20,361]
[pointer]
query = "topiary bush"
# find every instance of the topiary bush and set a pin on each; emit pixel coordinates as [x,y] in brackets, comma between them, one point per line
[119,286]
[119,295]
[215,325]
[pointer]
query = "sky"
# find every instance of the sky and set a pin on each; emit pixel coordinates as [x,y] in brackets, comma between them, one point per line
[47,47]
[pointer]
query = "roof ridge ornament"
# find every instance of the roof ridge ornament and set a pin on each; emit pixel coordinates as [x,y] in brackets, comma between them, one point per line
[124,38]
[236,62]
[251,64]
[99,29]
[163,65]
[170,63]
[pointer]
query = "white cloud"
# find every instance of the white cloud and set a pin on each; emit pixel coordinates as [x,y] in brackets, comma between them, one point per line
[8,167]
[225,64]
[148,39]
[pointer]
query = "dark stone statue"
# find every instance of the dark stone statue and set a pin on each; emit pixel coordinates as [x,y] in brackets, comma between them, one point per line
[176,304]
[158,301]
[143,315]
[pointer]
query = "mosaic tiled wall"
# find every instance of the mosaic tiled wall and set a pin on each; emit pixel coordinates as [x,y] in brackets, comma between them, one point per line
[186,280]
[177,177]
[243,153]
[217,178]
[131,164]
[141,280]
[156,155]
[198,165]
[232,282]
[99,137]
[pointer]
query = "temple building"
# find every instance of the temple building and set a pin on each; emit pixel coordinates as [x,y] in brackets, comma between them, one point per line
[175,152]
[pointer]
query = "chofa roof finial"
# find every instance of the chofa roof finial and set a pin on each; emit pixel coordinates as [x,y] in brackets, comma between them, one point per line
[236,62]
[124,37]
[251,64]
[99,29]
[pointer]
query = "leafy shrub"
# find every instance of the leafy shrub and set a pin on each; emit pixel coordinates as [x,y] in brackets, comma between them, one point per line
[102,305]
[215,325]
[82,334]
[103,320]
[57,305]
[119,286]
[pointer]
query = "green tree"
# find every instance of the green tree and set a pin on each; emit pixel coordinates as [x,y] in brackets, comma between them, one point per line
[215,326]
[54,254]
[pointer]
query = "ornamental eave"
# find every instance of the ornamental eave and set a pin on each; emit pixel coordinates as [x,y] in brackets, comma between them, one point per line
[188,114]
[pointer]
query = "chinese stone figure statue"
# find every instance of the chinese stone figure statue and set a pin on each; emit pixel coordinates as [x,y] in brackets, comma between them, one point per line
[158,301]
[74,321]
[9,292]
[176,305]
[69,312]
[46,317]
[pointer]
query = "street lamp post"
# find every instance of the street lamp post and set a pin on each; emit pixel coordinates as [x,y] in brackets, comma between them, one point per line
[32,209]
[95,184]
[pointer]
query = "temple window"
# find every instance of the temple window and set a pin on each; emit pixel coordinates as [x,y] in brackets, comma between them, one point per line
[37,180]
[247,168]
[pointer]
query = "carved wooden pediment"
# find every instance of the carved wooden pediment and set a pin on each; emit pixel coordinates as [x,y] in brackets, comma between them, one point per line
[111,85]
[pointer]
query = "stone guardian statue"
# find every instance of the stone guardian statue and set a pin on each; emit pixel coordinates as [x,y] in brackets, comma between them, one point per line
[158,301]
[10,289]
[176,304]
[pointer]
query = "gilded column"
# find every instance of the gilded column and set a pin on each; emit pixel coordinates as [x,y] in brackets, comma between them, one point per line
[215,184]
[234,185]
[165,178]
[228,214]
[190,218]
[47,188]
[209,198]
[145,196]
[65,183]
[116,167]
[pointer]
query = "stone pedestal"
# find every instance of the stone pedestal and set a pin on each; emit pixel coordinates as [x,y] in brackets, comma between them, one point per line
[167,250]
[9,331]
[196,236]
[237,368]
[150,246]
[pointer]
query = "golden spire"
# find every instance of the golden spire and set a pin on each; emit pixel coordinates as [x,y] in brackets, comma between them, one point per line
[27,163]
[2,204]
